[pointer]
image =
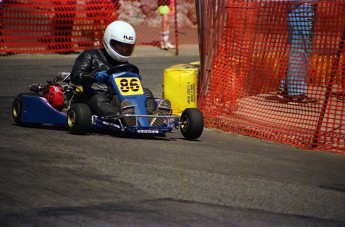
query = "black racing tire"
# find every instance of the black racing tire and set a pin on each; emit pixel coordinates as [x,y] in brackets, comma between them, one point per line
[191,123]
[79,119]
[17,110]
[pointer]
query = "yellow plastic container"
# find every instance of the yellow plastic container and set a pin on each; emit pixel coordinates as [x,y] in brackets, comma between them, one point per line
[180,86]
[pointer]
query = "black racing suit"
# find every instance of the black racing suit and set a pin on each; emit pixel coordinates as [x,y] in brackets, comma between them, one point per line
[99,95]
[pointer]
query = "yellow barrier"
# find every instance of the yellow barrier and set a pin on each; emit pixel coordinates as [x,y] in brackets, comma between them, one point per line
[180,86]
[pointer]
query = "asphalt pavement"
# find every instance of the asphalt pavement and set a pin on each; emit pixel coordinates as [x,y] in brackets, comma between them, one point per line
[49,177]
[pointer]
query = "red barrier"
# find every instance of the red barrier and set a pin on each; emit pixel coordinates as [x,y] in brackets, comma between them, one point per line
[74,25]
[272,45]
[54,26]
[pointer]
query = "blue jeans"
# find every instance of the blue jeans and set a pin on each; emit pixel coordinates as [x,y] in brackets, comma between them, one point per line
[300,22]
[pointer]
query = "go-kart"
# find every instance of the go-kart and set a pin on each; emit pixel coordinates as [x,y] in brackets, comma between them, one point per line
[59,102]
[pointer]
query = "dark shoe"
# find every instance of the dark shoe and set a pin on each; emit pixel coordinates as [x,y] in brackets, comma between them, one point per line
[300,99]
[163,109]
[281,93]
[127,109]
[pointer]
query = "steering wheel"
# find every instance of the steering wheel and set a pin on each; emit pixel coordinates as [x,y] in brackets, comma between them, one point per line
[126,67]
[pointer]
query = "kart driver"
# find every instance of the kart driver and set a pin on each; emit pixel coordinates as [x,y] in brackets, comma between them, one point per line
[90,71]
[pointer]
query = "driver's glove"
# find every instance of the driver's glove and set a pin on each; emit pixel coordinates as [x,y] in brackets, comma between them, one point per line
[101,76]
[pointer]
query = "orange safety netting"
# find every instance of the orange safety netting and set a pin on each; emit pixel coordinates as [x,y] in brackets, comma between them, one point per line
[277,72]
[50,26]
[33,26]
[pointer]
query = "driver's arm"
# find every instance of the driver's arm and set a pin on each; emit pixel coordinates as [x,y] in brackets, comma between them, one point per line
[82,71]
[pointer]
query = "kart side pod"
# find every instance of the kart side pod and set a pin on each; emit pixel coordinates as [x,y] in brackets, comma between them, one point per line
[31,109]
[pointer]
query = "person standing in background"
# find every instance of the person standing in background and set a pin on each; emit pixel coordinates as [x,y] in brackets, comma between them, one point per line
[300,21]
[166,9]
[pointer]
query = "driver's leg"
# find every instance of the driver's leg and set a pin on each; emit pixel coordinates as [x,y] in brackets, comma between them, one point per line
[150,101]
[100,105]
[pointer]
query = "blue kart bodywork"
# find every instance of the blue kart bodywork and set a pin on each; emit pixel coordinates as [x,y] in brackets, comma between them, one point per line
[127,86]
[34,109]
[37,110]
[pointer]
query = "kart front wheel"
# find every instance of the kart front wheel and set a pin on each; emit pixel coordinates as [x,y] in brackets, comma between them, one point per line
[191,123]
[79,119]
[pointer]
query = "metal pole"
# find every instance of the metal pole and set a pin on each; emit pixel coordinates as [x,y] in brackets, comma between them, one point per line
[176,30]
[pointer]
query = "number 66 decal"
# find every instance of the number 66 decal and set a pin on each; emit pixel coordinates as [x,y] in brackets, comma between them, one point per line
[129,86]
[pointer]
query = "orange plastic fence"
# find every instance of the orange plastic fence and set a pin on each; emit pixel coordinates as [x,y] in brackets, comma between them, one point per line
[54,26]
[269,54]
[74,25]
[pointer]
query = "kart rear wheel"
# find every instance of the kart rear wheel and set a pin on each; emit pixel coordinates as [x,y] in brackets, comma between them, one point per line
[191,123]
[17,110]
[79,119]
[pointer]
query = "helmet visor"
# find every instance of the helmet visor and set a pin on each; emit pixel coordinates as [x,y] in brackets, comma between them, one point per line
[123,49]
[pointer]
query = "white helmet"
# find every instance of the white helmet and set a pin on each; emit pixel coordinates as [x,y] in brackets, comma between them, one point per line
[119,40]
